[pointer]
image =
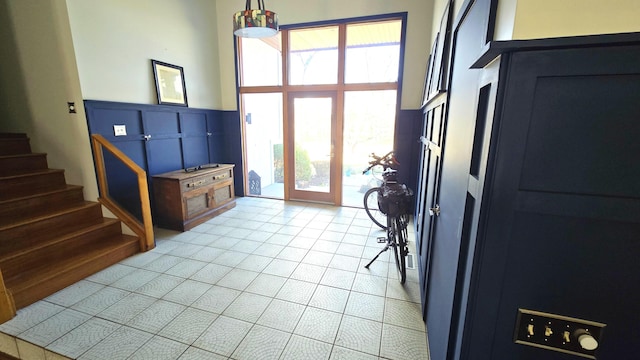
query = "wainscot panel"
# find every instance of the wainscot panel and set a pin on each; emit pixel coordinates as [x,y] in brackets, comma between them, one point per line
[162,138]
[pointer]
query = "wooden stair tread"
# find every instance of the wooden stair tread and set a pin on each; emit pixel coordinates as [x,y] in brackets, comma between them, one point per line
[104,222]
[50,236]
[14,144]
[52,214]
[31,205]
[35,173]
[7,135]
[19,164]
[36,181]
[32,196]
[96,253]
[13,156]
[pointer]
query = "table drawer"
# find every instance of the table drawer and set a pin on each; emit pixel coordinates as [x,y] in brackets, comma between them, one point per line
[205,180]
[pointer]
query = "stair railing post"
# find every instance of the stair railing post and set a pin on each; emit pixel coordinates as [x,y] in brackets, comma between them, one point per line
[7,306]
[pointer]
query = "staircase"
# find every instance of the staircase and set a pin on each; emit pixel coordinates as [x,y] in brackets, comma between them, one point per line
[50,237]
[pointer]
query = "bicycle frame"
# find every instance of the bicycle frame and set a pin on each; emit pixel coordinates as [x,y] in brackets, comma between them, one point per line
[393,198]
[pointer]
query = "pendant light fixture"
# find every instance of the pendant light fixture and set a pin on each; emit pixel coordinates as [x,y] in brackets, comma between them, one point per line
[255,23]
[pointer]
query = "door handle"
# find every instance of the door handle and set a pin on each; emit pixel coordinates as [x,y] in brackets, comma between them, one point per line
[434,211]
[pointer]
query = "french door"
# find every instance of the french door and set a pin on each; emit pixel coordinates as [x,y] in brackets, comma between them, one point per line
[311,163]
[310,91]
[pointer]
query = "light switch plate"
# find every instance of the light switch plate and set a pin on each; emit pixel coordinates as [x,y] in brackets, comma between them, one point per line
[558,333]
[120,130]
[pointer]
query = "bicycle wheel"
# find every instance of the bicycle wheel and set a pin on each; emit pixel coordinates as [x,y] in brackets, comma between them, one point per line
[372,209]
[399,246]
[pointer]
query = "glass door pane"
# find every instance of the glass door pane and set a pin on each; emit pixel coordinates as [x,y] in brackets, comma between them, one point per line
[312,123]
[369,123]
[262,115]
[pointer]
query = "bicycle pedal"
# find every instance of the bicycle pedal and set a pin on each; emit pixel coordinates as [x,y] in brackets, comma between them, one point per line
[382,239]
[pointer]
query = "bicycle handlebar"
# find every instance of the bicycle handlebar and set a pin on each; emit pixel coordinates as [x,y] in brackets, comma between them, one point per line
[385,161]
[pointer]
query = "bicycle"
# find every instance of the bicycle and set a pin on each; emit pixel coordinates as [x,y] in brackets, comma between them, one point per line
[381,169]
[395,201]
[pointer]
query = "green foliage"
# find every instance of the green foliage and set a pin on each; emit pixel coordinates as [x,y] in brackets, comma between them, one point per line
[303,165]
[304,169]
[278,163]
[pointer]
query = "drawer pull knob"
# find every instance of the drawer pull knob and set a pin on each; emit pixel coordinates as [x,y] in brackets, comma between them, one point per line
[218,177]
[197,183]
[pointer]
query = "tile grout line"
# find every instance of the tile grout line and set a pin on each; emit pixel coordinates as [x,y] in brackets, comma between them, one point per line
[289,277]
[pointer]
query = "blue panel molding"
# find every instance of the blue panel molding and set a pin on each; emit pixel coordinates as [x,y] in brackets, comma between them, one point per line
[407,146]
[161,138]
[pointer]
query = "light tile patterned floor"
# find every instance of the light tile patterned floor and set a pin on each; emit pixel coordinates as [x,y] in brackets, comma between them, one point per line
[266,280]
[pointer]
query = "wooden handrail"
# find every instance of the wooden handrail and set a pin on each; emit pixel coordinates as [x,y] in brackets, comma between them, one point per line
[7,306]
[144,230]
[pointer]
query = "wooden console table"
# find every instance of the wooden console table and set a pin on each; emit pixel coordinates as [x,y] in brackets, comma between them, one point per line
[184,200]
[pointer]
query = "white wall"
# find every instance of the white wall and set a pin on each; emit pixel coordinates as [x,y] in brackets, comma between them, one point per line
[46,66]
[295,12]
[14,109]
[115,40]
[438,10]
[505,19]
[553,18]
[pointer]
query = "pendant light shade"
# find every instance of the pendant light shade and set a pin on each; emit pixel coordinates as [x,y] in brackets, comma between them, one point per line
[255,23]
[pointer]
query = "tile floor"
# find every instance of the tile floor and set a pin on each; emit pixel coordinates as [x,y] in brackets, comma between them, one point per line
[266,280]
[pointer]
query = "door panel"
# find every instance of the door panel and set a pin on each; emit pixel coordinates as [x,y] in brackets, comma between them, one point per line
[445,265]
[576,113]
[311,163]
[196,202]
[430,187]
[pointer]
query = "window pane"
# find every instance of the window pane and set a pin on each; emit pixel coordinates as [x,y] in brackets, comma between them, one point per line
[261,61]
[313,56]
[369,123]
[373,52]
[263,141]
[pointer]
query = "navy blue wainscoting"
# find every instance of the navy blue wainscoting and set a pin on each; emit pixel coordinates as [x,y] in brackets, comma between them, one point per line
[407,146]
[162,138]
[233,147]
